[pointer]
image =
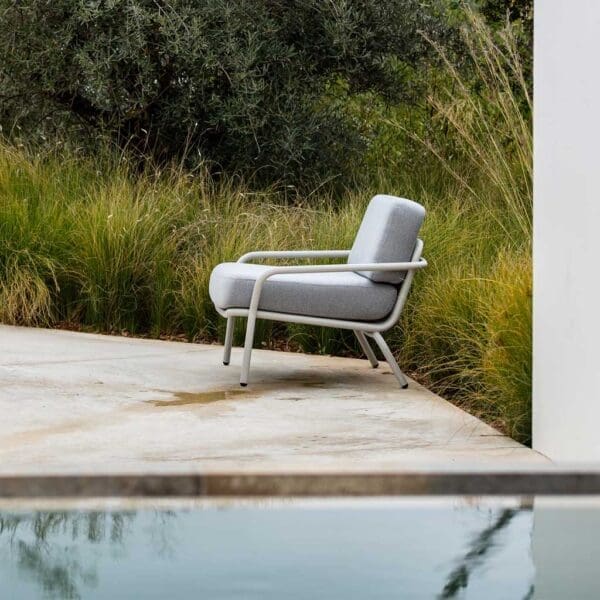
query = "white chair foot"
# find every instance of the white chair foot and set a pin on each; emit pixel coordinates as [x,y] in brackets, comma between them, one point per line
[389,357]
[228,340]
[366,348]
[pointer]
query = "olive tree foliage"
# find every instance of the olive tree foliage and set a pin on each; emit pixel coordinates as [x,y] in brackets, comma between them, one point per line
[500,10]
[251,86]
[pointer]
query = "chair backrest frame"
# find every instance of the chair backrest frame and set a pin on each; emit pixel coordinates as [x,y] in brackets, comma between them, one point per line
[404,289]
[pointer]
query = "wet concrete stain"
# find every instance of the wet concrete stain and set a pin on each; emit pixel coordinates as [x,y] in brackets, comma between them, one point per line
[189,398]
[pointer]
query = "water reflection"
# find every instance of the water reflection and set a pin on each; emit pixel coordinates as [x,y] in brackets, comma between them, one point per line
[59,550]
[407,549]
[480,548]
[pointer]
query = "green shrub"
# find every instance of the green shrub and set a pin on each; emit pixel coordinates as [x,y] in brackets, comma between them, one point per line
[250,85]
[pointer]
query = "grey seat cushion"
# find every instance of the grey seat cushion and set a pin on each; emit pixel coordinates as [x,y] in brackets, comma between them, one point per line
[334,295]
[388,233]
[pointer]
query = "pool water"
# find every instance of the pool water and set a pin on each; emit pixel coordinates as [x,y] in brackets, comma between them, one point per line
[363,549]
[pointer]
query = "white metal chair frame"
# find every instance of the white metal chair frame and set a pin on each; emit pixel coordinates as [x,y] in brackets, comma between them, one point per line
[362,329]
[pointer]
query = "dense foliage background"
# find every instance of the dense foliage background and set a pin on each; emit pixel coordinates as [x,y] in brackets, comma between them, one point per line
[146,141]
[251,86]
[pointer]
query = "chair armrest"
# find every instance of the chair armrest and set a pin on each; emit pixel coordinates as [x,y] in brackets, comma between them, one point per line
[400,266]
[258,284]
[282,254]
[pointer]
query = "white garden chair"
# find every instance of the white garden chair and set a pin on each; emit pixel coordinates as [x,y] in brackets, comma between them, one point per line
[365,294]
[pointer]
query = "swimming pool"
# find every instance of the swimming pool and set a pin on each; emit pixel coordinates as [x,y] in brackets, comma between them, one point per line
[444,547]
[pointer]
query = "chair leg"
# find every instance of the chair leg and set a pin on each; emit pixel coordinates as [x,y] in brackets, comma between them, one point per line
[366,347]
[389,357]
[228,340]
[249,342]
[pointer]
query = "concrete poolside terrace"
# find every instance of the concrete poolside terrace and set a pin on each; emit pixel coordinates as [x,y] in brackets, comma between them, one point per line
[85,404]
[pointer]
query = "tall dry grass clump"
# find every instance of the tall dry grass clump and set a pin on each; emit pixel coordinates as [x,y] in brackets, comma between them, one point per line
[31,245]
[468,329]
[487,111]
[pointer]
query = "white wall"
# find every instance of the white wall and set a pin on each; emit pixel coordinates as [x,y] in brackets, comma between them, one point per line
[566,382]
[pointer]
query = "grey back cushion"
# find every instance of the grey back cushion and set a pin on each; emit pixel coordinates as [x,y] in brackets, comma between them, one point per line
[388,233]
